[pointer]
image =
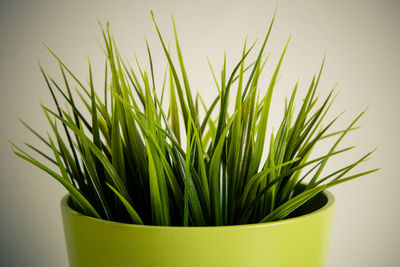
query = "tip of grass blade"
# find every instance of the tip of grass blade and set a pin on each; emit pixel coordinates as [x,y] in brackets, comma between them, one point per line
[287,43]
[366,108]
[44,44]
[12,144]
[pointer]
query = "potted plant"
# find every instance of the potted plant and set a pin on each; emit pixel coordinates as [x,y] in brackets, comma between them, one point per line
[157,182]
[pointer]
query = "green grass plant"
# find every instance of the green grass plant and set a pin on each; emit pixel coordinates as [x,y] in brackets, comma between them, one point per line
[131,160]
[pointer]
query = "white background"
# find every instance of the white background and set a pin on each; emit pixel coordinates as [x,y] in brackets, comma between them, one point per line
[360,39]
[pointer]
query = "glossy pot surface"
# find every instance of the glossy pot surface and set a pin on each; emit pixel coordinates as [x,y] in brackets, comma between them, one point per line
[295,242]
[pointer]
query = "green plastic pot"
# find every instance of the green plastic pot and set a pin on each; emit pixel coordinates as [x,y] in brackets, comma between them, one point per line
[295,242]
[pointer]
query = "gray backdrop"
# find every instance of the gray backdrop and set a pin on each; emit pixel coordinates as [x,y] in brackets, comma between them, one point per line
[360,39]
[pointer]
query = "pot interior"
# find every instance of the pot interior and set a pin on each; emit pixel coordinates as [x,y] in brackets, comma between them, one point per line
[312,205]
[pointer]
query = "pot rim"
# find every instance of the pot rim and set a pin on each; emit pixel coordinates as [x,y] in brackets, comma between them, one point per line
[328,205]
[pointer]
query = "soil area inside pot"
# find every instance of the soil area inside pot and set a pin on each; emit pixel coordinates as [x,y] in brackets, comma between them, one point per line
[312,205]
